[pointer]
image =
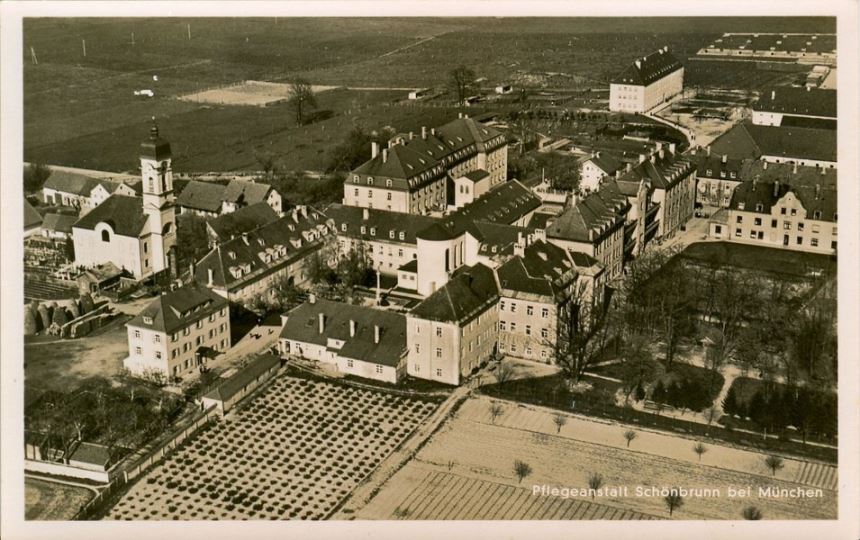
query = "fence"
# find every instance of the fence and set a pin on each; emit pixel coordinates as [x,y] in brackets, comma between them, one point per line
[88,509]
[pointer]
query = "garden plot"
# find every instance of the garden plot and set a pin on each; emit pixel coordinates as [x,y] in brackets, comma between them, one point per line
[256,93]
[292,453]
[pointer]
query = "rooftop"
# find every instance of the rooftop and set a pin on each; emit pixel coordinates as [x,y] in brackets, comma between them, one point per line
[800,101]
[749,141]
[544,269]
[122,213]
[61,223]
[469,292]
[646,70]
[245,193]
[592,215]
[206,196]
[243,220]
[174,310]
[235,383]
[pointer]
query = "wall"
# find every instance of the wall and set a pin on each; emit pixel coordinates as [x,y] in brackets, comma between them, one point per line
[523,335]
[431,356]
[60,469]
[123,251]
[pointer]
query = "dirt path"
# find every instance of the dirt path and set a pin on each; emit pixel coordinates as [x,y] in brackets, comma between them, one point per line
[405,47]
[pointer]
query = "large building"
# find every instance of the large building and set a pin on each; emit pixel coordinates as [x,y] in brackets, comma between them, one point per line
[80,191]
[137,234]
[646,83]
[716,177]
[417,174]
[802,48]
[209,199]
[796,107]
[777,144]
[176,333]
[800,216]
[597,167]
[355,340]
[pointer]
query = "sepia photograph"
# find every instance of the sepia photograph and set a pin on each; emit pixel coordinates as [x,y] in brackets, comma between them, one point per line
[441,266]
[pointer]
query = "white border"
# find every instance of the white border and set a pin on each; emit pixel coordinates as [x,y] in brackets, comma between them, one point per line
[11,272]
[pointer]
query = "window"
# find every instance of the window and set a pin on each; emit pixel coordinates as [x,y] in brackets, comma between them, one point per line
[815,229]
[502,305]
[502,326]
[438,331]
[773,223]
[417,368]
[529,310]
[528,330]
[544,313]
[752,234]
[513,326]
[199,340]
[718,229]
[833,244]
[349,362]
[105,236]
[438,372]
[740,219]
[388,196]
[738,233]
[782,210]
[513,307]
[543,354]
[800,226]
[402,235]
[814,242]
[528,351]
[388,183]
[786,225]
[418,348]
[759,207]
[174,353]
[158,355]
[513,347]
[174,337]
[343,227]
[438,352]
[757,221]
[157,338]
[199,324]
[137,333]
[356,192]
[544,333]
[378,368]
[799,240]
[793,212]
[138,351]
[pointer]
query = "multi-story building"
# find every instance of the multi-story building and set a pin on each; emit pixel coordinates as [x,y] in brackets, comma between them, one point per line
[646,83]
[356,340]
[249,264]
[599,166]
[209,199]
[778,144]
[454,330]
[801,48]
[716,178]
[137,234]
[799,107]
[177,332]
[534,286]
[80,191]
[243,220]
[800,217]
[417,174]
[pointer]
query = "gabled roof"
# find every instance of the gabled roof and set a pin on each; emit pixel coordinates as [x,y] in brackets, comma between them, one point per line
[663,170]
[800,101]
[303,325]
[760,197]
[379,222]
[206,196]
[591,216]
[788,173]
[544,269]
[122,213]
[606,162]
[737,143]
[237,382]
[32,218]
[62,223]
[470,291]
[710,166]
[644,71]
[749,141]
[174,310]
[243,220]
[70,182]
[399,163]
[242,192]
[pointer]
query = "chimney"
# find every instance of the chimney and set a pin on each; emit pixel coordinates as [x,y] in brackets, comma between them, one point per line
[245,239]
[432,131]
[618,173]
[295,214]
[211,275]
[725,158]
[460,115]
[312,298]
[638,63]
[629,167]
[772,95]
[823,171]
[776,188]
[374,149]
[709,151]
[365,214]
[322,322]
[423,132]
[351,328]
[764,166]
[641,158]
[672,148]
[193,269]
[794,169]
[652,157]
[662,154]
[376,332]
[384,155]
[411,135]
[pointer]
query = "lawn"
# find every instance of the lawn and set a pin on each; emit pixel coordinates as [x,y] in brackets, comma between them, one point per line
[294,452]
[782,262]
[44,500]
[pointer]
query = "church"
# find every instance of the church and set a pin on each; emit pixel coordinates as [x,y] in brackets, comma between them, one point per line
[137,234]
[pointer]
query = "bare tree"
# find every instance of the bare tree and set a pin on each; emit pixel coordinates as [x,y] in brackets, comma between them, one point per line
[496,411]
[504,372]
[673,500]
[774,463]
[521,469]
[301,98]
[559,420]
[462,80]
[595,482]
[751,513]
[700,449]
[583,332]
[629,435]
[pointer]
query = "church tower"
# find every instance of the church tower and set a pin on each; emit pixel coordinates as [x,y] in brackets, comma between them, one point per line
[158,201]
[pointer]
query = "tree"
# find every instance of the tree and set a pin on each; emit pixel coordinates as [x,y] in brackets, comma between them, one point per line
[700,449]
[504,372]
[462,81]
[774,463]
[583,332]
[192,240]
[629,435]
[751,513]
[673,500]
[560,421]
[354,268]
[267,162]
[730,402]
[69,249]
[301,98]
[521,469]
[319,267]
[496,411]
[638,366]
[353,151]
[595,482]
[35,175]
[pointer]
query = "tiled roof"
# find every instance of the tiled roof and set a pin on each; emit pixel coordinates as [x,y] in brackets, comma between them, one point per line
[59,222]
[243,220]
[544,269]
[662,172]
[95,454]
[607,162]
[179,308]
[70,182]
[539,220]
[477,175]
[470,291]
[591,216]
[749,141]
[264,250]
[206,196]
[800,101]
[303,325]
[787,173]
[710,166]
[32,218]
[237,382]
[497,238]
[644,71]
[759,197]
[242,192]
[379,225]
[124,215]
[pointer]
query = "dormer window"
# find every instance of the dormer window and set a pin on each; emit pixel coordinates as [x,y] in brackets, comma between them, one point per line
[817,215]
[722,174]
[363,229]
[355,179]
[373,231]
[402,235]
[369,181]
[733,174]
[709,172]
[388,182]
[759,207]
[147,320]
[391,234]
[343,227]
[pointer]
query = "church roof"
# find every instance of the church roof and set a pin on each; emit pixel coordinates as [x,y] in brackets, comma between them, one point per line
[155,147]
[122,213]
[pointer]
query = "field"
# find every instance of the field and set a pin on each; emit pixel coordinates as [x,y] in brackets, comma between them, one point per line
[51,501]
[80,110]
[256,93]
[292,453]
[471,458]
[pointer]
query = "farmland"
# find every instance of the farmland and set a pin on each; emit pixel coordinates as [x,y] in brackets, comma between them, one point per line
[472,456]
[292,453]
[46,500]
[74,104]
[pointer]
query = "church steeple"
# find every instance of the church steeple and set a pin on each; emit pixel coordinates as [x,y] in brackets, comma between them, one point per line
[157,176]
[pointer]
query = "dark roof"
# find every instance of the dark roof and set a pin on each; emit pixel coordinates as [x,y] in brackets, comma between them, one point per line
[801,101]
[710,166]
[95,454]
[544,269]
[174,310]
[235,383]
[411,266]
[539,220]
[477,175]
[644,71]
[759,197]
[206,196]
[32,218]
[243,220]
[59,222]
[381,222]
[591,216]
[282,242]
[788,173]
[497,238]
[749,141]
[71,182]
[583,260]
[403,165]
[242,192]
[303,325]
[124,215]
[758,258]
[469,292]
[155,147]
[662,172]
[607,162]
